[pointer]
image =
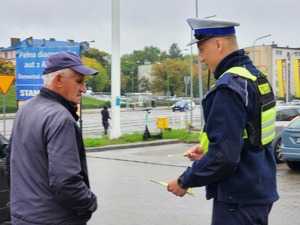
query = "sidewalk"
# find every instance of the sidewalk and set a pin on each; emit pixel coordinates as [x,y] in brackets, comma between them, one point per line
[134,145]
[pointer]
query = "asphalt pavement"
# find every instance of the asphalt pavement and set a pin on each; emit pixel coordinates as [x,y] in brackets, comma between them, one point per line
[120,176]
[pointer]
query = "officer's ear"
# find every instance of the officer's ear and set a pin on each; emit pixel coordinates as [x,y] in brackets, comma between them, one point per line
[219,43]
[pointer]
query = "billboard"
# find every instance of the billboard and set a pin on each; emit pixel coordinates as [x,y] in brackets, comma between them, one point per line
[281,73]
[297,77]
[30,64]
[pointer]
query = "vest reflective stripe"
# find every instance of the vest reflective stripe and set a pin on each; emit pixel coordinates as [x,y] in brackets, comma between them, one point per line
[268,126]
[204,142]
[268,112]
[242,72]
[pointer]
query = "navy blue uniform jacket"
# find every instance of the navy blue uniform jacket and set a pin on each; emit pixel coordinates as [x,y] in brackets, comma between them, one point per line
[231,170]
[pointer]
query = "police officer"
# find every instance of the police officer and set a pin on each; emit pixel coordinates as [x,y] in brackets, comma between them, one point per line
[237,163]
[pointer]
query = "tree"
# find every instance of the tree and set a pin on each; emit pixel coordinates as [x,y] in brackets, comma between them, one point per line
[98,82]
[124,84]
[175,52]
[102,57]
[144,84]
[105,60]
[130,63]
[207,79]
[6,67]
[169,75]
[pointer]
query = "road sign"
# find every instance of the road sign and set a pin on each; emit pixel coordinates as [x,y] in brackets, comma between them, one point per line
[186,80]
[5,82]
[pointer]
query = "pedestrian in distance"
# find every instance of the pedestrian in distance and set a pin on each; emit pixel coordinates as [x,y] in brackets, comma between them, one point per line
[105,117]
[46,155]
[234,159]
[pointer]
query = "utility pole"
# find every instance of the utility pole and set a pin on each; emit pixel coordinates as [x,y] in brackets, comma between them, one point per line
[115,72]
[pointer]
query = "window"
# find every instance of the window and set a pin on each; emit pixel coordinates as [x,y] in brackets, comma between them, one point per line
[286,114]
[295,124]
[297,53]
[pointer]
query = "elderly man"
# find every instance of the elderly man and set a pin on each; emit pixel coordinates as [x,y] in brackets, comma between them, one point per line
[234,160]
[48,169]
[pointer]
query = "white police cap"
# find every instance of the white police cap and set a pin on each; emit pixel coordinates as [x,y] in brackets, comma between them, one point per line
[205,28]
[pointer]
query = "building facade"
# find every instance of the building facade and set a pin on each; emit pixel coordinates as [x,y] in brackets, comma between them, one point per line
[282,64]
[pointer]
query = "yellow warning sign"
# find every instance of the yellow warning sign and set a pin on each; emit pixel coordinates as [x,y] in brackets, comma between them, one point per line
[5,82]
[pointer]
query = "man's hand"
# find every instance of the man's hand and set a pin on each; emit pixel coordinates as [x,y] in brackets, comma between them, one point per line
[175,189]
[194,153]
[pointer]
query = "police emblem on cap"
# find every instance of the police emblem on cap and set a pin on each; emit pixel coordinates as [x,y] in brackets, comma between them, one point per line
[208,28]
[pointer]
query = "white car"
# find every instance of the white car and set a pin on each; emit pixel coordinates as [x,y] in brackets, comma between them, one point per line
[295,102]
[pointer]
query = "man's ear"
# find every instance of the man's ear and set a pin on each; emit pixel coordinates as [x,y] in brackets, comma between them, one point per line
[58,80]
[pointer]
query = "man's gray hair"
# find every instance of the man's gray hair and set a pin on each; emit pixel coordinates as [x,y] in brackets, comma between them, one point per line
[48,78]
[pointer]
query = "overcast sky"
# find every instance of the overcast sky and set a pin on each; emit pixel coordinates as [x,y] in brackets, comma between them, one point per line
[147,22]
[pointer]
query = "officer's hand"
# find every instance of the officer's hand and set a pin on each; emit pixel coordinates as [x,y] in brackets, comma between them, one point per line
[194,153]
[175,189]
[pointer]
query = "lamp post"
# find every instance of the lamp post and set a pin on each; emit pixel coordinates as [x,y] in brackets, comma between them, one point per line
[132,73]
[132,82]
[253,46]
[168,85]
[186,83]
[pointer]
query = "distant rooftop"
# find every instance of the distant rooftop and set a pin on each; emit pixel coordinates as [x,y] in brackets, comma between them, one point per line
[16,43]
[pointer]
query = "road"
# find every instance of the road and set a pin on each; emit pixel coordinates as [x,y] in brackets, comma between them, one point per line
[131,121]
[134,120]
[121,181]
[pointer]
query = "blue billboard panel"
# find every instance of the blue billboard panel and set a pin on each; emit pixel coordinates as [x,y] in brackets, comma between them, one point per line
[30,64]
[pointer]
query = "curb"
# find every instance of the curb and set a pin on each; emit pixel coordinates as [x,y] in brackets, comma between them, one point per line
[134,145]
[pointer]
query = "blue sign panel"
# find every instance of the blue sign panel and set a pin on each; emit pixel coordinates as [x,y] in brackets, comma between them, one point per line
[118,101]
[30,64]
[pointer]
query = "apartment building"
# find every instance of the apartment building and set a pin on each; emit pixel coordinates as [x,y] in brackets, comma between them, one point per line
[282,64]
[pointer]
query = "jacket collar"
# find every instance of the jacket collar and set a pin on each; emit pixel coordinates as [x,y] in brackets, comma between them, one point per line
[236,58]
[71,107]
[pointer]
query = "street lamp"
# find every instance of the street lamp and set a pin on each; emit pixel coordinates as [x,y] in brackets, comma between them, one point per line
[168,85]
[186,83]
[132,73]
[253,46]
[132,82]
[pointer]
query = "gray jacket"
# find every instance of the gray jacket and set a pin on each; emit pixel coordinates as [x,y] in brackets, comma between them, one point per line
[49,177]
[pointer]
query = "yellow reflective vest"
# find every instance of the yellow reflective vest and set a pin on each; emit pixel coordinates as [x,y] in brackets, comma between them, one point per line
[265,133]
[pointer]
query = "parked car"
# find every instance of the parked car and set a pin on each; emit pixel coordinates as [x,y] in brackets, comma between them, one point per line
[88,93]
[284,114]
[4,190]
[183,105]
[290,145]
[295,102]
[280,102]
